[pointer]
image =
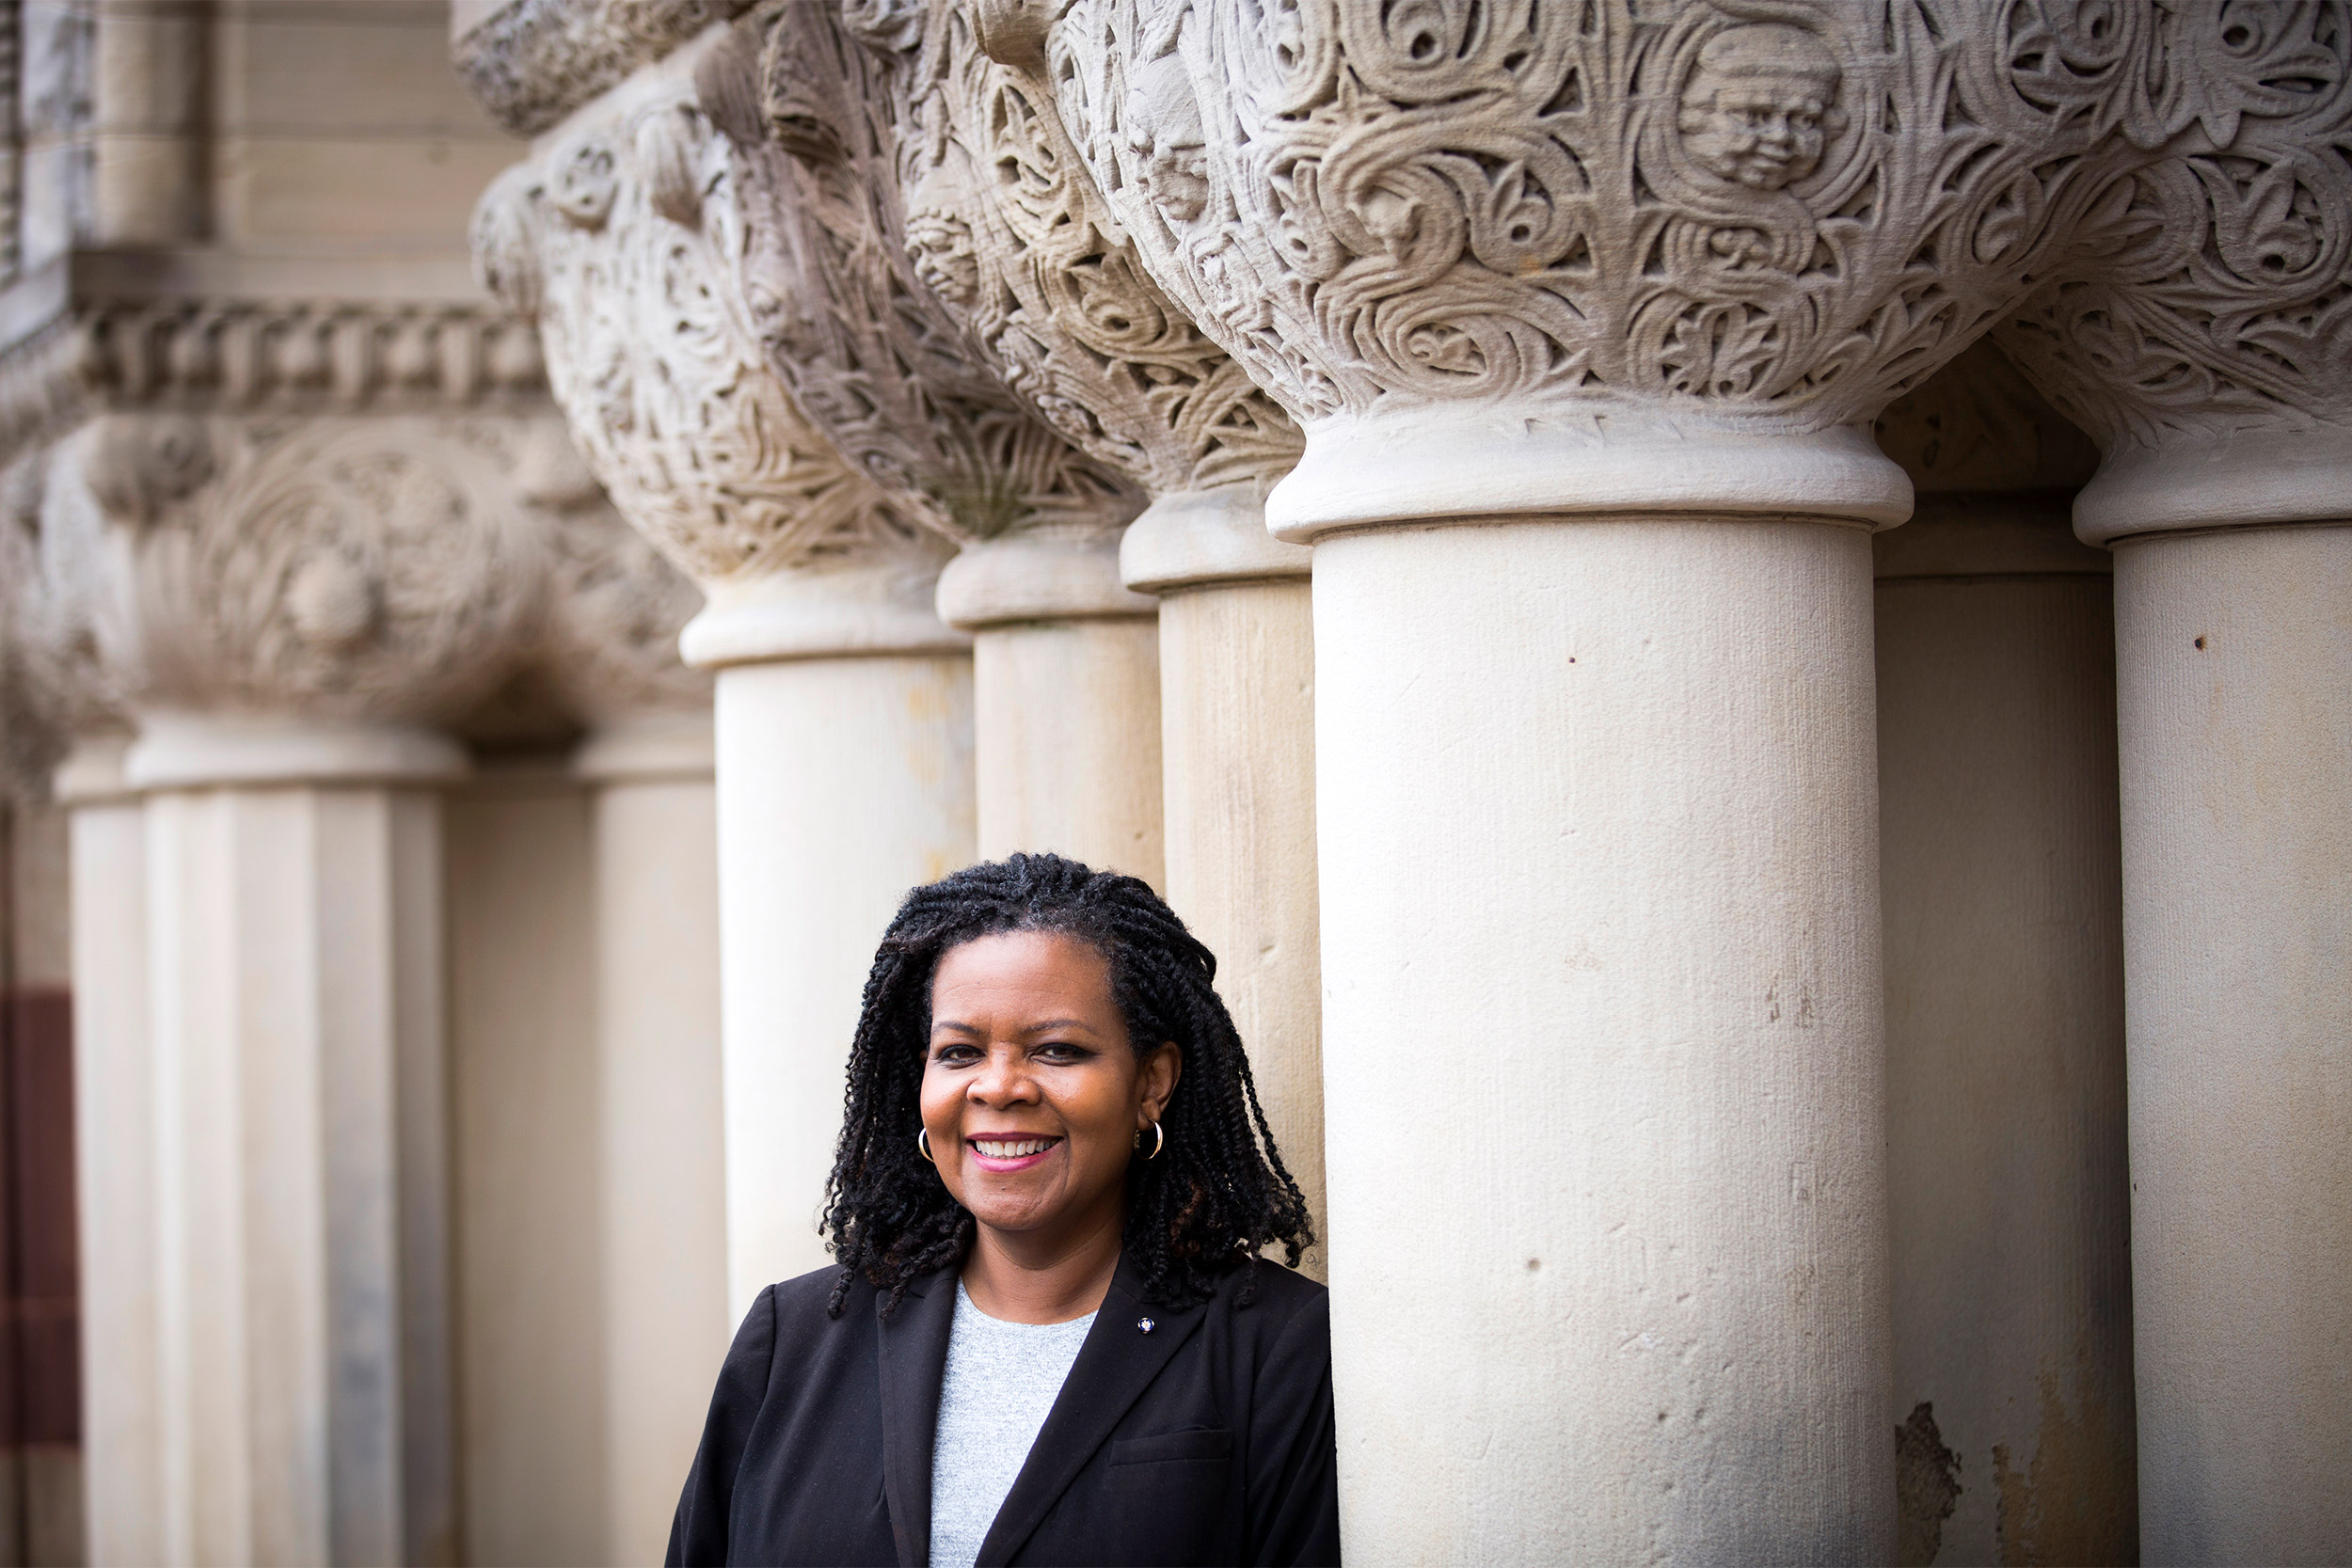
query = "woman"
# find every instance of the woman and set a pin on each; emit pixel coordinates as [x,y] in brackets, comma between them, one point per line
[1050,1337]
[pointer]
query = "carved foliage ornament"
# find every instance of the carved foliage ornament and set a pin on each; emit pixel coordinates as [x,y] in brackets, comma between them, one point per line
[374,568]
[1778,213]
[1004,223]
[623,242]
[533,61]
[839,297]
[2216,299]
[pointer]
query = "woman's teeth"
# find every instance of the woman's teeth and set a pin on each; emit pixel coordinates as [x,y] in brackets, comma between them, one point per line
[1015,1149]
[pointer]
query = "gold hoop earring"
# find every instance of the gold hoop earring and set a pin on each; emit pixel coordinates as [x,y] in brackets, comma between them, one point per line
[923,1143]
[1159,1140]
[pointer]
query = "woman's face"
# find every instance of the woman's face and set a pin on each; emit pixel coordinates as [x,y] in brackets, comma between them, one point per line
[1032,1092]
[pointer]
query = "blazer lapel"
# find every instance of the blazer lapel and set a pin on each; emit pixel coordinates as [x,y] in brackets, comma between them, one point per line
[914,1364]
[1115,1366]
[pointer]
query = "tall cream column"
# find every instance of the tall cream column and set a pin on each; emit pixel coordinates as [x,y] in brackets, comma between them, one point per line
[851,295]
[1998,872]
[665,1203]
[1581,353]
[115,1152]
[1066,700]
[1019,248]
[284,642]
[648,760]
[842,704]
[2203,355]
[1237,690]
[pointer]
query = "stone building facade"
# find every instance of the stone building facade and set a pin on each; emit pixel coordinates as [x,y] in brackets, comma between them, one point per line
[1735,616]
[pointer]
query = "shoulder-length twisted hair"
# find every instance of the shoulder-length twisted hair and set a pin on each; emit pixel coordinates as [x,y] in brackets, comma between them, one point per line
[1217,1191]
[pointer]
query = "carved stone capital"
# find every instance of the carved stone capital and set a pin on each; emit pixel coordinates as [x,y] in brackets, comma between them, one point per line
[532,62]
[370,572]
[1003,220]
[622,239]
[839,296]
[2206,336]
[1520,255]
[608,648]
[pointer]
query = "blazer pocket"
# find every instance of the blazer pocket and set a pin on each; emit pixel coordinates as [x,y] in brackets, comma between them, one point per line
[1198,1444]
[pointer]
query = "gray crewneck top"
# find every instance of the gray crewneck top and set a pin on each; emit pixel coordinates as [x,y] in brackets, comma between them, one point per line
[1002,1379]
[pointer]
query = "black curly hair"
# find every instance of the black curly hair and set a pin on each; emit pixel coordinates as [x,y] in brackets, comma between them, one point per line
[1216,1191]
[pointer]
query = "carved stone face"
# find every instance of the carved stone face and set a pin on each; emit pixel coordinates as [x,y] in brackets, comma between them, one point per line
[940,245]
[1760,105]
[1163,134]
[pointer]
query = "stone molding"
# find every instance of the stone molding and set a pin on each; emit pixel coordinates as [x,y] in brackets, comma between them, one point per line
[841,306]
[532,62]
[228,352]
[619,241]
[1004,223]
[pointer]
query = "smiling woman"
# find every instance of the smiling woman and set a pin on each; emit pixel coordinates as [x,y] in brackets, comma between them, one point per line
[1051,1336]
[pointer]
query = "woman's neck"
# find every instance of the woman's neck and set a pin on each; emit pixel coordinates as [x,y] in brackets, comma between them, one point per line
[1024,1278]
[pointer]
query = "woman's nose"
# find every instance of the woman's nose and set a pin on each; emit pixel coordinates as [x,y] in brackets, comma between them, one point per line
[1003,1080]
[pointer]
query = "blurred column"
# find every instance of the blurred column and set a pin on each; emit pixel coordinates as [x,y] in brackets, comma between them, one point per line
[115,1151]
[294,949]
[2002,903]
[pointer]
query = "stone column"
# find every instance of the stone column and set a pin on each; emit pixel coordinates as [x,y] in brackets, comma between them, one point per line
[1237,711]
[842,704]
[2201,352]
[648,759]
[286,638]
[1020,249]
[850,295]
[1596,787]
[115,1148]
[2005,1131]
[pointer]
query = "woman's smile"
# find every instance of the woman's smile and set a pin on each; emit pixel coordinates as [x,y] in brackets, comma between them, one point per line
[1010,1151]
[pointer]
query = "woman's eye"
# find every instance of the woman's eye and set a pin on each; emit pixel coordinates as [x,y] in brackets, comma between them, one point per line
[955,1055]
[1059,1051]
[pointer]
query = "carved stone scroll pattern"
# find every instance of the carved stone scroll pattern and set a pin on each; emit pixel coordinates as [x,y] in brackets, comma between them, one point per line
[841,305]
[621,243]
[614,606]
[1006,226]
[2219,297]
[534,62]
[373,568]
[1771,213]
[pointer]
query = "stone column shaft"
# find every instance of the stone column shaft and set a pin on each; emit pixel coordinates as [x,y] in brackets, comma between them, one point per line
[850,775]
[2235,710]
[1238,715]
[2011,1238]
[666,1327]
[115,1146]
[296,980]
[1599,839]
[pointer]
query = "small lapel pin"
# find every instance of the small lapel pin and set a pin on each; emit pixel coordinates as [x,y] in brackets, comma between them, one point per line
[1146,1324]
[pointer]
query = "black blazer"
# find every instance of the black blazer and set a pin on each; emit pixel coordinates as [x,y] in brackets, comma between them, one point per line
[1206,1440]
